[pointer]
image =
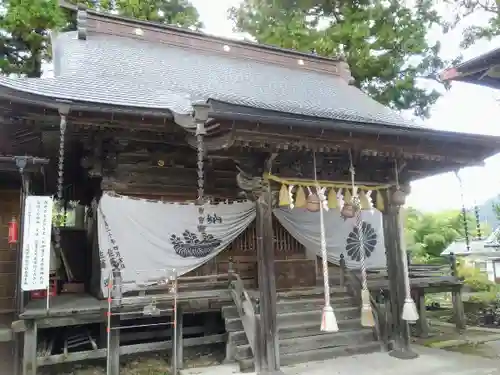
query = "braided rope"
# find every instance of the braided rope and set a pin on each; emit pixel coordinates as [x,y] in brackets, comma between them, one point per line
[405,258]
[324,254]
[60,177]
[359,224]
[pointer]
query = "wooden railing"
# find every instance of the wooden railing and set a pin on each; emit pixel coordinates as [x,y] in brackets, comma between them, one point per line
[248,314]
[351,281]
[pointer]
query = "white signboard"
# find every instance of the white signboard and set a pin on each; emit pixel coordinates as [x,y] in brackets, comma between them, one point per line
[36,243]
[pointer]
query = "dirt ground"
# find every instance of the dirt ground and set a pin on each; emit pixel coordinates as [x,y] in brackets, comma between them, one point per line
[147,364]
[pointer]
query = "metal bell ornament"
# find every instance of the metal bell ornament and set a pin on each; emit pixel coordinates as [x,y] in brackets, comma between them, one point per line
[313,202]
[399,197]
[348,211]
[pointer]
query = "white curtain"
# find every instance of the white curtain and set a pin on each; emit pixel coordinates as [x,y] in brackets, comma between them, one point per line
[147,239]
[341,235]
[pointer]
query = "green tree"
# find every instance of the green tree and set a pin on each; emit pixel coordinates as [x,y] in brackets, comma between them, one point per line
[463,9]
[428,234]
[25,26]
[384,42]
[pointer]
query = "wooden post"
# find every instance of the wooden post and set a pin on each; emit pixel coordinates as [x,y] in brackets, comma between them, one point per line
[178,338]
[342,270]
[422,312]
[391,247]
[396,275]
[114,346]
[456,297]
[267,283]
[30,348]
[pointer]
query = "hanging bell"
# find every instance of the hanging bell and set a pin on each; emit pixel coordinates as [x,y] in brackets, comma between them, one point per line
[399,197]
[348,211]
[313,202]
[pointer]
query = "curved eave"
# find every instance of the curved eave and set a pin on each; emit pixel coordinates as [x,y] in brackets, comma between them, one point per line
[50,93]
[226,111]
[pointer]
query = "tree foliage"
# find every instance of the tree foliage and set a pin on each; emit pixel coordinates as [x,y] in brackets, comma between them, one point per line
[428,234]
[384,42]
[463,9]
[26,24]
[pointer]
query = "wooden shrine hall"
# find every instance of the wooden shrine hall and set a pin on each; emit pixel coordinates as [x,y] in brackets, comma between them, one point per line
[261,184]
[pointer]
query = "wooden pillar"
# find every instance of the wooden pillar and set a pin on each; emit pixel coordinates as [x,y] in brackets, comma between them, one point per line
[30,348]
[456,297]
[267,283]
[178,338]
[114,346]
[422,312]
[391,248]
[397,288]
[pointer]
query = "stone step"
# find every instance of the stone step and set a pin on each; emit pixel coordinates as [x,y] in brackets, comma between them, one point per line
[247,365]
[314,342]
[5,333]
[304,329]
[295,305]
[299,318]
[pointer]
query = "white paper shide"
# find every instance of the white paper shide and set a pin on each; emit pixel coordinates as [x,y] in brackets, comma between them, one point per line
[36,243]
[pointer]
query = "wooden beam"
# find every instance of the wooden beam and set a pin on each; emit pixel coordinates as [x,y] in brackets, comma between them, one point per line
[128,350]
[266,136]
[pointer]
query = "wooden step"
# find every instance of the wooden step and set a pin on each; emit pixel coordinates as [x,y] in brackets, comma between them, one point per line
[297,318]
[298,330]
[247,365]
[5,333]
[320,341]
[296,305]
[318,291]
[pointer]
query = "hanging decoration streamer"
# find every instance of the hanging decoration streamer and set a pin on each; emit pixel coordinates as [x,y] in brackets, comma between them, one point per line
[60,179]
[293,193]
[200,132]
[464,212]
[478,222]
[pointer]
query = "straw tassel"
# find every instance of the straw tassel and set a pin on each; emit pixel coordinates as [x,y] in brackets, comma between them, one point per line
[332,199]
[347,197]
[367,319]
[365,203]
[284,197]
[380,202]
[300,198]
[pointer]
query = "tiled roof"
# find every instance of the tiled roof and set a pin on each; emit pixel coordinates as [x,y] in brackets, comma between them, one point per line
[128,72]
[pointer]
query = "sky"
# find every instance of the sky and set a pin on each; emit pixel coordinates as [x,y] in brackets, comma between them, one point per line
[464,108]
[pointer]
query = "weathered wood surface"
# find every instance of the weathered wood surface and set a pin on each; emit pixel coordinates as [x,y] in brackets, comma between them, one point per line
[87,306]
[30,349]
[128,350]
[267,280]
[295,273]
[354,286]
[246,312]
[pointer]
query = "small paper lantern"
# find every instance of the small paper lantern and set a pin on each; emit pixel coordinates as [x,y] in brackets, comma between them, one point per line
[313,202]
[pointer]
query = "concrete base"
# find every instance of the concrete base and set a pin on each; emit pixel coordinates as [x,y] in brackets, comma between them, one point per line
[403,354]
[430,361]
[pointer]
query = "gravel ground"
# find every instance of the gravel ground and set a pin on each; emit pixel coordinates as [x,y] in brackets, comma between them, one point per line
[147,364]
